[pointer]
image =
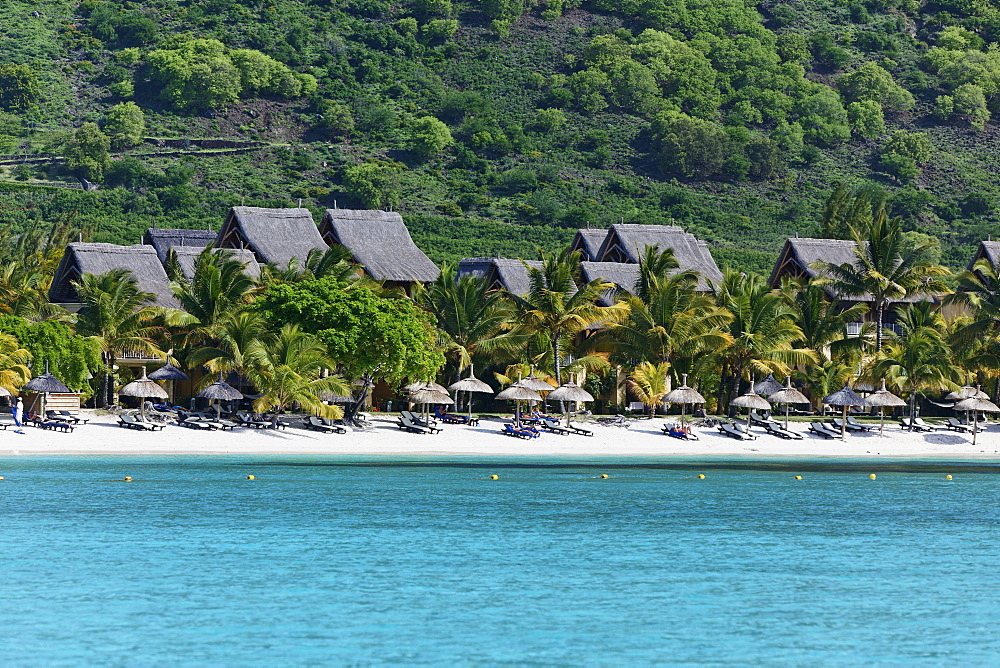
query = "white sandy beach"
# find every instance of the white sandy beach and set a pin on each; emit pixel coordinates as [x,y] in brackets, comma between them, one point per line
[102,436]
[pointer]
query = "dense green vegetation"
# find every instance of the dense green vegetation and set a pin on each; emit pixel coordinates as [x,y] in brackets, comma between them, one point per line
[500,126]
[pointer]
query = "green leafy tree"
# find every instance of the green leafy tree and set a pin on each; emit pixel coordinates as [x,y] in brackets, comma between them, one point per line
[370,337]
[197,75]
[87,152]
[866,118]
[690,146]
[872,83]
[429,136]
[336,119]
[375,184]
[263,75]
[19,87]
[125,125]
[970,103]
[71,357]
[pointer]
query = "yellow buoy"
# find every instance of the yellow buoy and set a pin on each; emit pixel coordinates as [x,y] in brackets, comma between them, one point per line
[947,477]
[128,478]
[798,477]
[701,476]
[1,477]
[603,475]
[250,477]
[872,476]
[494,477]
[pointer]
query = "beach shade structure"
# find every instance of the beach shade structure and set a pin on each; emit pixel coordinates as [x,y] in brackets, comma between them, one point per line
[570,392]
[170,373]
[751,401]
[683,395]
[428,396]
[518,393]
[768,386]
[845,397]
[976,405]
[46,384]
[143,388]
[862,387]
[220,390]
[535,383]
[882,398]
[788,395]
[470,385]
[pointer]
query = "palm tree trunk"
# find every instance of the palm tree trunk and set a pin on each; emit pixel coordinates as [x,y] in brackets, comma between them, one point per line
[556,362]
[723,383]
[879,312]
[737,376]
[106,393]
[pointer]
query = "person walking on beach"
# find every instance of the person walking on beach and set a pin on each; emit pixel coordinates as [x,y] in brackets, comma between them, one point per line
[18,411]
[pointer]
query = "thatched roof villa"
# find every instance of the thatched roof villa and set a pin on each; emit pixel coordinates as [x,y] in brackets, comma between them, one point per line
[627,243]
[380,243]
[163,239]
[91,258]
[622,274]
[589,243]
[987,250]
[273,235]
[500,272]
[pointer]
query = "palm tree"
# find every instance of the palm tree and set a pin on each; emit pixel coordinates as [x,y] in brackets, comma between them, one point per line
[763,331]
[649,384]
[117,315]
[471,319]
[673,321]
[885,270]
[823,325]
[919,360]
[557,309]
[230,348]
[289,370]
[14,359]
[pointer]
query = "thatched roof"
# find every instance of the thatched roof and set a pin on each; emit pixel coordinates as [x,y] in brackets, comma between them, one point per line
[802,258]
[380,242]
[988,250]
[163,239]
[274,235]
[620,273]
[187,255]
[589,243]
[499,272]
[88,258]
[626,243]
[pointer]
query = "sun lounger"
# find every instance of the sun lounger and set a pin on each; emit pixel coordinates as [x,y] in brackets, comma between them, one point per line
[419,420]
[313,423]
[518,432]
[775,429]
[920,423]
[406,424]
[579,430]
[129,422]
[250,420]
[684,433]
[822,430]
[454,418]
[552,426]
[65,416]
[916,425]
[757,419]
[732,432]
[955,424]
[851,420]
[839,422]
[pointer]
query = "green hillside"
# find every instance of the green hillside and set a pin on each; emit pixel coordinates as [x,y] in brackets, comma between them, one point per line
[500,126]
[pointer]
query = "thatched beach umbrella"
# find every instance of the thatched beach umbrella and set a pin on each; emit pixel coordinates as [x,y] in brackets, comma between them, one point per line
[975,405]
[684,395]
[428,396]
[518,393]
[220,390]
[570,392]
[751,401]
[142,388]
[768,386]
[880,399]
[788,395]
[170,373]
[470,385]
[845,397]
[46,384]
[535,383]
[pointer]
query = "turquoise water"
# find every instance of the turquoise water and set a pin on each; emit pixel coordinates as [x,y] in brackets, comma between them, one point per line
[340,560]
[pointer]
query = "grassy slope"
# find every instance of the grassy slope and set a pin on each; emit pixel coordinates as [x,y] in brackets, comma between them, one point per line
[746,222]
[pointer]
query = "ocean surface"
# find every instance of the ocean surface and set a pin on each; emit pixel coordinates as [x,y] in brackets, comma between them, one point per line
[346,560]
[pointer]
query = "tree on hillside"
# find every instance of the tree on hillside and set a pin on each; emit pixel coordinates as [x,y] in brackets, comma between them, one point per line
[19,87]
[87,152]
[125,125]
